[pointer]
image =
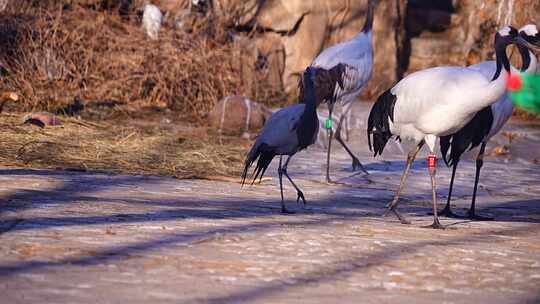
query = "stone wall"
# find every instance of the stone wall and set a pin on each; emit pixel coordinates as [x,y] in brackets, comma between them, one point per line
[463,34]
[308,27]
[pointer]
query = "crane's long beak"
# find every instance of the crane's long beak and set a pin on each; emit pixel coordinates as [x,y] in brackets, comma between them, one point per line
[530,45]
[535,42]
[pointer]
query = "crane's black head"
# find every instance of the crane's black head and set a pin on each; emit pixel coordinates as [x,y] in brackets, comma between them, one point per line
[505,36]
[530,34]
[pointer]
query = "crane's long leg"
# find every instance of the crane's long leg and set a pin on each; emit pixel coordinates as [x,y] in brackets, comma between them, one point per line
[280,174]
[479,162]
[432,172]
[447,211]
[330,134]
[393,205]
[298,191]
[355,162]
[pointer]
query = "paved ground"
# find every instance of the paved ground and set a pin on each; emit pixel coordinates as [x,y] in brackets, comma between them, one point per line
[70,237]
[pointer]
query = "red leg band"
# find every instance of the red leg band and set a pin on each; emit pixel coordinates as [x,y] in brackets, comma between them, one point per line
[432,161]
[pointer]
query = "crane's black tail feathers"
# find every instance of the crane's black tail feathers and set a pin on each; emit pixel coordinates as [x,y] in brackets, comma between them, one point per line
[379,122]
[468,138]
[264,156]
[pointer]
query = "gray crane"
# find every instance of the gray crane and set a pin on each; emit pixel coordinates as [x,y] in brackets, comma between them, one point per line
[355,57]
[287,132]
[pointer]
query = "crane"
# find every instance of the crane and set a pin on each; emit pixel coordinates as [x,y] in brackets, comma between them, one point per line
[485,124]
[286,132]
[355,58]
[436,102]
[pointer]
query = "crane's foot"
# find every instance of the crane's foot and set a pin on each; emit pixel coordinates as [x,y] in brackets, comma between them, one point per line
[329,181]
[476,217]
[436,225]
[356,164]
[286,211]
[447,212]
[400,217]
[300,197]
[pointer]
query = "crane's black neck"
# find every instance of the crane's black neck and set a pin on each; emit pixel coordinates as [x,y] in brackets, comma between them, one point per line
[525,57]
[310,110]
[309,122]
[368,24]
[501,58]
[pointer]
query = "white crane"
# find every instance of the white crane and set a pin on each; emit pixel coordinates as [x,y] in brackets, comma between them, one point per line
[436,102]
[485,123]
[288,131]
[356,59]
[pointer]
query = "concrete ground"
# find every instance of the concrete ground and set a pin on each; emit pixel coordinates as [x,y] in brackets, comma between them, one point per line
[68,237]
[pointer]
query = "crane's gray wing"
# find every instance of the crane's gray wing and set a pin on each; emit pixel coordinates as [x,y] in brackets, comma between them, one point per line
[279,132]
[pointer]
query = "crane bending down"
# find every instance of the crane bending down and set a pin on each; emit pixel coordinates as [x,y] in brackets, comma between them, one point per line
[355,58]
[436,102]
[485,123]
[288,131]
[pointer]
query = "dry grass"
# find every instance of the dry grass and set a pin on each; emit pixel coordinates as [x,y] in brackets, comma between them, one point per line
[525,116]
[49,55]
[82,145]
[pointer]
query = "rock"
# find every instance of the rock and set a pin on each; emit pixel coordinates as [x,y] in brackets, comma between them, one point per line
[230,115]
[42,119]
[463,33]
[3,5]
[271,57]
[7,96]
[306,28]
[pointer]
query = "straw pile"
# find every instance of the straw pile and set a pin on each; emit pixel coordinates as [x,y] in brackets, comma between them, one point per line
[82,145]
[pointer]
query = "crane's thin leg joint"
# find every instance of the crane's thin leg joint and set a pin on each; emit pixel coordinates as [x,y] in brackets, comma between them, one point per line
[280,174]
[355,162]
[330,134]
[393,205]
[479,162]
[298,191]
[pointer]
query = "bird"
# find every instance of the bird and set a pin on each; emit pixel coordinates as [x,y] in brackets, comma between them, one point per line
[435,102]
[485,124]
[151,21]
[286,132]
[355,58]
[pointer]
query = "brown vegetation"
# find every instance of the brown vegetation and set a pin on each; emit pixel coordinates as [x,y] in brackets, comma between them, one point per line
[81,145]
[52,53]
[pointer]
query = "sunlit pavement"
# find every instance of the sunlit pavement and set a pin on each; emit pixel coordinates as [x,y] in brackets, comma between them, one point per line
[69,237]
